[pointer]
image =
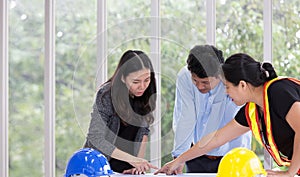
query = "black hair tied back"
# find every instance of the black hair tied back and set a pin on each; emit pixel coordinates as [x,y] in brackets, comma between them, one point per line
[268,72]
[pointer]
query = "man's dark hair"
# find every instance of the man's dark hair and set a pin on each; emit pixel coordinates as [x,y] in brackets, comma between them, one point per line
[205,61]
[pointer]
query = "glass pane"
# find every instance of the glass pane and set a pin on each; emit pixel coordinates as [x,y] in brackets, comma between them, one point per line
[286,37]
[76,31]
[240,29]
[128,27]
[183,25]
[26,106]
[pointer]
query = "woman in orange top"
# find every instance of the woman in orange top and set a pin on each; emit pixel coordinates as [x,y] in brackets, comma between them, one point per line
[272,113]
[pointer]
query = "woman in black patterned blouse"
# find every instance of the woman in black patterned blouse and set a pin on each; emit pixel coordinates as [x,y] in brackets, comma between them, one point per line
[122,113]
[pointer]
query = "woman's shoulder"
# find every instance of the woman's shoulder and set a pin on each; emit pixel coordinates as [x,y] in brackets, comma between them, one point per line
[103,93]
[104,88]
[283,84]
[284,91]
[282,94]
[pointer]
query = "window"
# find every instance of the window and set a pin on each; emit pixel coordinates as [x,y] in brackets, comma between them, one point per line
[177,18]
[181,25]
[286,37]
[76,29]
[26,109]
[240,29]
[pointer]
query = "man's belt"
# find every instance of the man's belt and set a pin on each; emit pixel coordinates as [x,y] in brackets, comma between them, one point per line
[211,157]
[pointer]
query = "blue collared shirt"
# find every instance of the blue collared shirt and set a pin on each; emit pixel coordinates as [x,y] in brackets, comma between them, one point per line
[197,114]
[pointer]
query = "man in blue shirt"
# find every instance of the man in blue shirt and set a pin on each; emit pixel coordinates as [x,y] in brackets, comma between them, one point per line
[201,107]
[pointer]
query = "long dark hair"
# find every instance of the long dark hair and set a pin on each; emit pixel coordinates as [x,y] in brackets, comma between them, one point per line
[241,66]
[205,61]
[133,110]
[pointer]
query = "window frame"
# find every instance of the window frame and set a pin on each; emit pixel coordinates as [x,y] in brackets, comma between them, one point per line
[49,78]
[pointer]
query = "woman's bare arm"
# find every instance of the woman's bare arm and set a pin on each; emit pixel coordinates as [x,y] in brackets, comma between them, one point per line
[227,133]
[143,146]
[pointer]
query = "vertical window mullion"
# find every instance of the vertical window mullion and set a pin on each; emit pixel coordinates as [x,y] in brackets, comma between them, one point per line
[155,146]
[101,42]
[267,18]
[49,89]
[211,22]
[4,89]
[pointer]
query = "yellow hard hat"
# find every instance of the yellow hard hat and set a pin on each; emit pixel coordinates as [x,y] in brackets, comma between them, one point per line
[240,162]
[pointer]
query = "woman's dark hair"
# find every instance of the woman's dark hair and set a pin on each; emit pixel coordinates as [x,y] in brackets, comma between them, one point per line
[241,66]
[133,110]
[205,61]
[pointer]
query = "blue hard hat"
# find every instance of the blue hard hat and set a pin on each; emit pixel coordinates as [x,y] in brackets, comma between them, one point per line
[89,162]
